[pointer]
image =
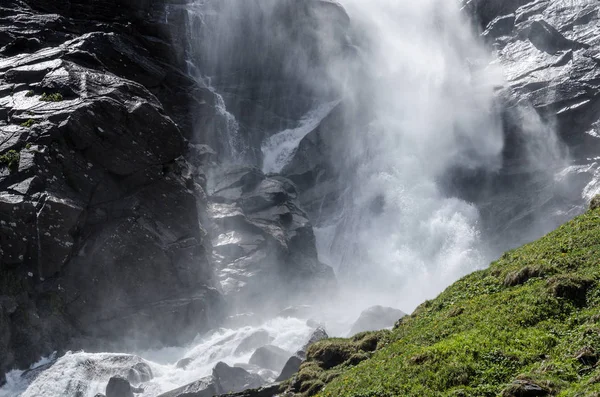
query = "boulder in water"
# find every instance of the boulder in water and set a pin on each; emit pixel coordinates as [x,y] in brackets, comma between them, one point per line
[140,373]
[293,363]
[270,357]
[183,363]
[204,387]
[119,387]
[290,368]
[234,379]
[376,318]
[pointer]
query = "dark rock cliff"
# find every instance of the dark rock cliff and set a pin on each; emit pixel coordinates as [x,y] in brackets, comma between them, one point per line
[103,204]
[98,209]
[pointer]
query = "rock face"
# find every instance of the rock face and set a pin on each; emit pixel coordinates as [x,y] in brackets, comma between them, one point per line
[234,380]
[224,379]
[99,221]
[376,318]
[107,216]
[270,92]
[270,357]
[118,387]
[547,52]
[263,238]
[78,373]
[293,363]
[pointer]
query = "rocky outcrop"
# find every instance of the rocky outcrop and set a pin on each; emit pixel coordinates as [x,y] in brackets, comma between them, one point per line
[376,318]
[296,40]
[270,357]
[79,374]
[224,379]
[292,365]
[100,232]
[549,104]
[253,341]
[263,238]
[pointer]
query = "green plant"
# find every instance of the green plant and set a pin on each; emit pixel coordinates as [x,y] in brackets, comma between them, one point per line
[30,93]
[28,146]
[524,323]
[11,159]
[56,97]
[29,123]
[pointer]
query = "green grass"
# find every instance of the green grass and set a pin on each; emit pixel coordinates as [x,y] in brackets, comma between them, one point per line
[10,159]
[533,316]
[56,97]
[29,123]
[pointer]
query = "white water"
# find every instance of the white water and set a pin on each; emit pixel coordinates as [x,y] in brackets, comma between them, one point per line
[88,373]
[398,239]
[280,148]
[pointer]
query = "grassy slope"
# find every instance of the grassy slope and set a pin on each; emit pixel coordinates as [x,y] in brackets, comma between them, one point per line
[526,317]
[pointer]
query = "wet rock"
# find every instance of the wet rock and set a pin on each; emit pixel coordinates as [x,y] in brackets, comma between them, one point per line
[204,387]
[140,373]
[183,363]
[276,88]
[267,391]
[486,11]
[253,341]
[293,364]
[501,26]
[270,357]
[119,387]
[233,379]
[263,238]
[376,318]
[546,38]
[81,372]
[290,368]
[524,388]
[99,181]
[317,335]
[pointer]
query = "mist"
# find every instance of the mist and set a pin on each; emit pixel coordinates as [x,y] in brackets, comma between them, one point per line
[386,128]
[418,93]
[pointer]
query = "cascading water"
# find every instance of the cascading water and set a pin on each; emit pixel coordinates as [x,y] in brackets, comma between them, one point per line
[419,92]
[401,236]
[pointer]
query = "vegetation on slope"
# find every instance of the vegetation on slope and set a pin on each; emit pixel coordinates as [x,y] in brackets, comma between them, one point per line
[527,326]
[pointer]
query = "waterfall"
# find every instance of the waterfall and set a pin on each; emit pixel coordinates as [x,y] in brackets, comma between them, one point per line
[419,89]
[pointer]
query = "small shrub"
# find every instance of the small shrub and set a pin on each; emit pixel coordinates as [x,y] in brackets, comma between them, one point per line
[30,93]
[56,97]
[312,388]
[520,277]
[11,159]
[595,203]
[570,287]
[29,123]
[28,146]
[357,358]
[329,353]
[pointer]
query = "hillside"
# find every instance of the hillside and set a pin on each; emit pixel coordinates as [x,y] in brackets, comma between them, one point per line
[527,326]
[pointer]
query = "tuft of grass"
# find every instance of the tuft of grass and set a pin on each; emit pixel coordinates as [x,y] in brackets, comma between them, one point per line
[327,359]
[55,97]
[529,322]
[29,123]
[11,160]
[29,93]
